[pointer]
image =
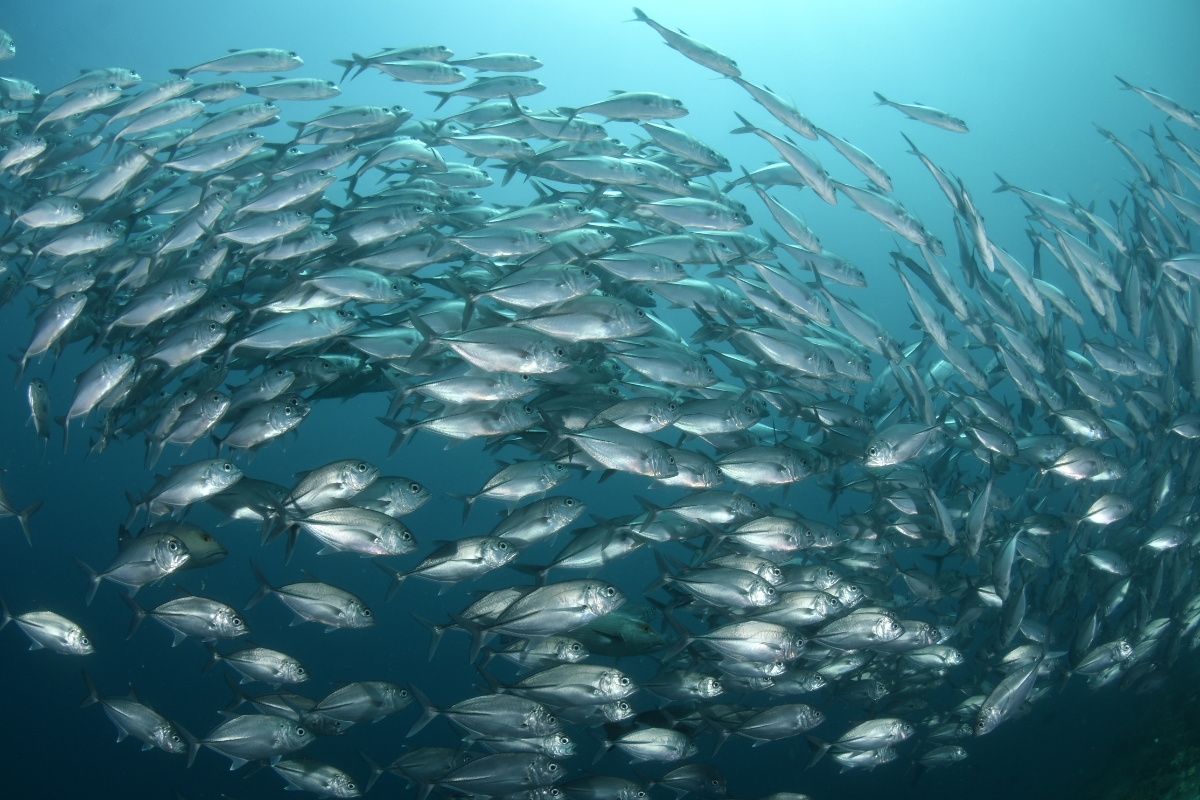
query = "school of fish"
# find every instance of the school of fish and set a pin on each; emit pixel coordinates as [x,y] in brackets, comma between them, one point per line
[1011,482]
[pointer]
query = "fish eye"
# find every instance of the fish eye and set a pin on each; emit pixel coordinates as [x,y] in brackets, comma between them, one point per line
[366,612]
[173,546]
[569,502]
[205,538]
[287,411]
[640,313]
[575,647]
[406,536]
[528,409]
[610,591]
[414,487]
[84,640]
[551,720]
[299,670]
[558,351]
[174,737]
[299,731]
[671,406]
[552,767]
[227,467]
[237,622]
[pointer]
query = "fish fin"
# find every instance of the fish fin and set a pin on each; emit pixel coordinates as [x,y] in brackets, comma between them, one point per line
[213,657]
[376,770]
[236,763]
[436,632]
[35,645]
[139,614]
[264,587]
[93,695]
[429,712]
[93,580]
[398,578]
[238,696]
[820,748]
[467,501]
[24,515]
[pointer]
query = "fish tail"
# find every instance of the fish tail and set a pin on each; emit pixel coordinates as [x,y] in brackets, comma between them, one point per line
[685,637]
[139,614]
[402,433]
[5,616]
[93,580]
[182,72]
[264,586]
[665,574]
[239,697]
[376,770]
[93,695]
[214,656]
[24,515]
[820,748]
[398,578]
[444,98]
[639,16]
[436,631]
[429,712]
[193,744]
[747,125]
[883,101]
[293,533]
[605,746]
[467,502]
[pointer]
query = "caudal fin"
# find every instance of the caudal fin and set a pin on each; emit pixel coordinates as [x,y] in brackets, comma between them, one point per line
[139,614]
[376,770]
[6,617]
[193,744]
[93,580]
[214,656]
[264,586]
[24,516]
[239,697]
[429,712]
[93,695]
[443,98]
[436,632]
[397,576]
[820,748]
[467,501]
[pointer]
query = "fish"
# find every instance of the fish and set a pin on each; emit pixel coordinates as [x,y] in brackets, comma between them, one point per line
[927,114]
[49,630]
[810,497]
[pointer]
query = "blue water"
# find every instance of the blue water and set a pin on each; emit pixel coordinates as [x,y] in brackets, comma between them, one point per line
[1030,80]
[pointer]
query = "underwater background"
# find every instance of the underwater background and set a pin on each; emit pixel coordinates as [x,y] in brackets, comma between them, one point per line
[1031,79]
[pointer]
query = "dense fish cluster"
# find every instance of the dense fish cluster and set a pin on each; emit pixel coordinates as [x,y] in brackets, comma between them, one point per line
[1011,483]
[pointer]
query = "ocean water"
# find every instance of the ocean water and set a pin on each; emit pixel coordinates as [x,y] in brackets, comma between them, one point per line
[1031,79]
